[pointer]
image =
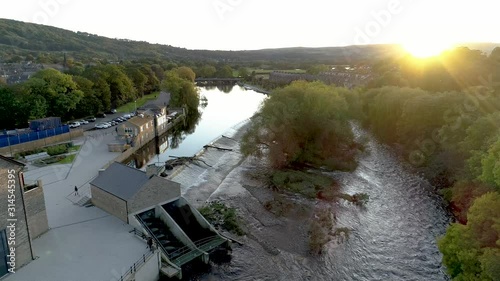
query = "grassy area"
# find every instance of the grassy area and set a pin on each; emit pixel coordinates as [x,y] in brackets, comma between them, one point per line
[267,71]
[305,183]
[74,148]
[219,215]
[131,106]
[68,159]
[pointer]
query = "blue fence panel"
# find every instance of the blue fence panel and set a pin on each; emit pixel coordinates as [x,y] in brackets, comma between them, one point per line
[24,138]
[14,140]
[27,137]
[4,142]
[33,136]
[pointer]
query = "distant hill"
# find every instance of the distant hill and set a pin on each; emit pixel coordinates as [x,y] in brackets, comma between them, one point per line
[19,40]
[483,47]
[22,39]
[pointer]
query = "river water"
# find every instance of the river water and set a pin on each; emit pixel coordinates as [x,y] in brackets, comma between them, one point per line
[392,238]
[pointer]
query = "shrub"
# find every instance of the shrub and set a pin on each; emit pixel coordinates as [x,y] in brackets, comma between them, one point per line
[219,215]
[57,149]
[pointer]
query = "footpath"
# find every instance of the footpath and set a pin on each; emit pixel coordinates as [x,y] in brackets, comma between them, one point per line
[83,243]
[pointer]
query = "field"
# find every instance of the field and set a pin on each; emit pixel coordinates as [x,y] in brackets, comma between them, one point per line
[131,106]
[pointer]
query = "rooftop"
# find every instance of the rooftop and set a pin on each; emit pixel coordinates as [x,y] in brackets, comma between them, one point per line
[139,121]
[121,180]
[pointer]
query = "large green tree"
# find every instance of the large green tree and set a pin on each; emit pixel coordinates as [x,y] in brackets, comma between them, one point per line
[179,83]
[472,251]
[59,90]
[303,124]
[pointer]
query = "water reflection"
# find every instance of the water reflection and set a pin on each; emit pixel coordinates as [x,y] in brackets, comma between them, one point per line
[221,107]
[179,133]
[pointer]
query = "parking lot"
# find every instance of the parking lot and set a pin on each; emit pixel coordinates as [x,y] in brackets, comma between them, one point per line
[109,118]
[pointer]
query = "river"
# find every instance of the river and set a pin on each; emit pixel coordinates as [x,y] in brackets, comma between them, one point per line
[225,108]
[393,237]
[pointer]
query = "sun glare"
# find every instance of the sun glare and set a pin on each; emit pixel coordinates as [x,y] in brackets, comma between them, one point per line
[425,49]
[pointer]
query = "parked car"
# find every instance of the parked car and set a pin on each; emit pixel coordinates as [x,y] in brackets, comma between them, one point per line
[101,115]
[114,123]
[74,124]
[83,122]
[112,111]
[127,116]
[117,119]
[91,119]
[102,125]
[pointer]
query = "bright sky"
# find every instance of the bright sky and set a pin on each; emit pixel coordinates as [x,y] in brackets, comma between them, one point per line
[257,24]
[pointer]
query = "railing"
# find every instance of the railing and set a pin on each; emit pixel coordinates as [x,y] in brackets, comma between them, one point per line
[152,235]
[137,265]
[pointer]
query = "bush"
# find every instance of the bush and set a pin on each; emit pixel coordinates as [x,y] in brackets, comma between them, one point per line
[219,215]
[57,149]
[305,183]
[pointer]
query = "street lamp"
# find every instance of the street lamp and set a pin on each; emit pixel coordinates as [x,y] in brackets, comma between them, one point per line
[135,102]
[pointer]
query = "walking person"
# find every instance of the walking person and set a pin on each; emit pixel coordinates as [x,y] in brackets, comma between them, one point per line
[76,190]
[150,243]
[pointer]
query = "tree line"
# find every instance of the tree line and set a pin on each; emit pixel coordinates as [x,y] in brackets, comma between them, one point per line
[83,91]
[445,121]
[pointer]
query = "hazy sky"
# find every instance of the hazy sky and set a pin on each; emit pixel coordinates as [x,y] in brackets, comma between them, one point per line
[257,24]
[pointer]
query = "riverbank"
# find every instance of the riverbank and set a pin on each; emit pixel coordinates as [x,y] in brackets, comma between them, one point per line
[392,237]
[233,180]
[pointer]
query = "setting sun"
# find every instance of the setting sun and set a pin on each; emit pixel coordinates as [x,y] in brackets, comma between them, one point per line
[422,49]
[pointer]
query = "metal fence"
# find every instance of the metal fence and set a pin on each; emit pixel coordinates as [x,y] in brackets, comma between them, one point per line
[8,140]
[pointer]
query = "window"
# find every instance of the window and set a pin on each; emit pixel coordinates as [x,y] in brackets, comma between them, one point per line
[4,251]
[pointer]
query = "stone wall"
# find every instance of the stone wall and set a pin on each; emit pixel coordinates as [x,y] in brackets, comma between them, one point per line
[109,203]
[22,238]
[13,149]
[37,214]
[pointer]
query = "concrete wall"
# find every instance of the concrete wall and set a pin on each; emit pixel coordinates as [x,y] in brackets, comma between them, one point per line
[22,238]
[151,195]
[201,220]
[37,214]
[74,133]
[150,271]
[109,203]
[173,227]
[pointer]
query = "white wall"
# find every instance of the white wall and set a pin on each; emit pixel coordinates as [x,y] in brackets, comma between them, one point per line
[150,271]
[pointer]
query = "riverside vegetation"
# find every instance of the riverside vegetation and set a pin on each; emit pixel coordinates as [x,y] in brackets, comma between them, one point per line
[441,115]
[445,124]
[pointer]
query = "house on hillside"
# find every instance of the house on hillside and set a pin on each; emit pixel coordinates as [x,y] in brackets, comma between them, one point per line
[124,191]
[22,216]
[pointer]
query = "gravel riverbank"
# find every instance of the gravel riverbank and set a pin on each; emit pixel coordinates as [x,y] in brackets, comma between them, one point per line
[233,180]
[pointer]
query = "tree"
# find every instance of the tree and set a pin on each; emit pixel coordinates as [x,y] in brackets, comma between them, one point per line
[90,104]
[243,72]
[224,71]
[303,124]
[471,252]
[206,71]
[186,73]
[318,68]
[491,165]
[59,90]
[182,90]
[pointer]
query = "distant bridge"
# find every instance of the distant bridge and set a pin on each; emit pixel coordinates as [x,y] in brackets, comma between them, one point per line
[217,81]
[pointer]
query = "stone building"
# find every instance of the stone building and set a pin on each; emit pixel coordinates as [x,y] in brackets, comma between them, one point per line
[139,130]
[124,191]
[159,115]
[22,216]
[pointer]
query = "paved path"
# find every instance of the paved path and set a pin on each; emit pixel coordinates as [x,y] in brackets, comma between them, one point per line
[83,243]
